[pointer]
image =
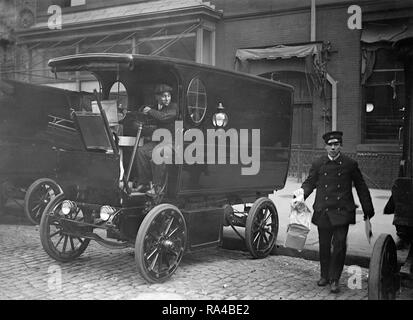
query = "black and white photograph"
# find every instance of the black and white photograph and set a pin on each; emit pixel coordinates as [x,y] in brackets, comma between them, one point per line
[206,155]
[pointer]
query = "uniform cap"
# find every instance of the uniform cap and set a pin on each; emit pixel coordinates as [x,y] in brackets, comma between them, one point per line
[333,136]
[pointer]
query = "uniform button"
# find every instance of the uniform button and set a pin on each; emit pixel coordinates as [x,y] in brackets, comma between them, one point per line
[340,162]
[338,198]
[325,173]
[338,209]
[326,209]
[338,186]
[326,186]
[326,198]
[339,173]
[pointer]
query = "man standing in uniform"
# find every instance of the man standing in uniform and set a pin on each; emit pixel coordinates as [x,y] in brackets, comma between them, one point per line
[163,115]
[334,209]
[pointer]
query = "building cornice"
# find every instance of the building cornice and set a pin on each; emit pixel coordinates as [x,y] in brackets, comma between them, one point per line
[126,23]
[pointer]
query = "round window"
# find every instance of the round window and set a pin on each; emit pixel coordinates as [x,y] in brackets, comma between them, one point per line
[197,100]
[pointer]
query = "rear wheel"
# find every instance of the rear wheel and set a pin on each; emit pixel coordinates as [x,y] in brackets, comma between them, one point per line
[383,279]
[160,243]
[38,195]
[57,241]
[261,228]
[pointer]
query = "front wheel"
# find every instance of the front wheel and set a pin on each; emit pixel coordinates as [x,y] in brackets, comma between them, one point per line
[57,234]
[38,195]
[160,243]
[261,228]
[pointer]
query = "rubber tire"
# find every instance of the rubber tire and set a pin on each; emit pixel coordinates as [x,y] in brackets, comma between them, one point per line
[385,241]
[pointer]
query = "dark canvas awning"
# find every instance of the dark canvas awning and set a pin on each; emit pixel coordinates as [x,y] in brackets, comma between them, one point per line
[279,52]
[386,33]
[379,36]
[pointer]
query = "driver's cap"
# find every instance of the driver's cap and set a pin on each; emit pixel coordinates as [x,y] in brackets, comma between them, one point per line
[161,88]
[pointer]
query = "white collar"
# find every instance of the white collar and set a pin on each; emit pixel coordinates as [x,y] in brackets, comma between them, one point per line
[335,158]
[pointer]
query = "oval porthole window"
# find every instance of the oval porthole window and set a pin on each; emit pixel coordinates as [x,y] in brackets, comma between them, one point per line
[197,100]
[118,93]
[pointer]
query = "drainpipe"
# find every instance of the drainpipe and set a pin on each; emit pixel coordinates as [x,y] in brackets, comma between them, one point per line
[313,21]
[329,78]
[333,101]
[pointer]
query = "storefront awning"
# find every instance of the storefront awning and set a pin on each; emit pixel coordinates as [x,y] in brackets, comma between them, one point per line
[279,52]
[314,63]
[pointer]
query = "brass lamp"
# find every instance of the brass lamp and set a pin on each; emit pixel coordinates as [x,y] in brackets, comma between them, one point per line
[220,118]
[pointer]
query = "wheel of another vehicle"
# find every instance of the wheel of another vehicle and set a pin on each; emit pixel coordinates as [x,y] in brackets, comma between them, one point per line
[160,243]
[261,229]
[382,282]
[57,231]
[3,198]
[38,195]
[5,187]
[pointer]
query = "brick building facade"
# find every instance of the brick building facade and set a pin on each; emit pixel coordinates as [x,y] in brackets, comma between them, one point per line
[332,88]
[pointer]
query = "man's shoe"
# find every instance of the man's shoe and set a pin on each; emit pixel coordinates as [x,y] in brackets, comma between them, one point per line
[322,282]
[151,192]
[335,286]
[142,188]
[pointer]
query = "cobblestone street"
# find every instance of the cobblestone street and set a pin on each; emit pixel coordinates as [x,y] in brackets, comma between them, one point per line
[27,272]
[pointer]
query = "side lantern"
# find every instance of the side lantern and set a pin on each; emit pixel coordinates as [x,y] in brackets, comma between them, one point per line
[220,118]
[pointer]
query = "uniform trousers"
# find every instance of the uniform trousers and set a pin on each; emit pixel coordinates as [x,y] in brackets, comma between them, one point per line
[332,261]
[147,169]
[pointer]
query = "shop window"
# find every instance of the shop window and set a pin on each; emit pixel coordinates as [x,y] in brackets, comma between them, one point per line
[184,48]
[197,101]
[384,99]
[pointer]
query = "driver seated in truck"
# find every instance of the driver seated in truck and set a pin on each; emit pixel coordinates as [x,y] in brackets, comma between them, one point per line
[162,115]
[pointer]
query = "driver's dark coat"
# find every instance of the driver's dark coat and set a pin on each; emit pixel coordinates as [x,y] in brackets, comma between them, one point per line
[164,118]
[333,180]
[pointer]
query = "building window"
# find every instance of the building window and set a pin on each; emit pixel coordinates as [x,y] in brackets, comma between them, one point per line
[384,99]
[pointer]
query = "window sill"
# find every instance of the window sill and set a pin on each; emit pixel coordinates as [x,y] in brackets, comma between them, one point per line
[379,147]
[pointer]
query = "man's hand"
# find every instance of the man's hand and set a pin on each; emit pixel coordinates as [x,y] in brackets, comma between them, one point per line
[299,194]
[146,110]
[367,228]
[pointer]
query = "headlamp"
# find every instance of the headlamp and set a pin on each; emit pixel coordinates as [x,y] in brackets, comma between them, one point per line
[68,206]
[106,212]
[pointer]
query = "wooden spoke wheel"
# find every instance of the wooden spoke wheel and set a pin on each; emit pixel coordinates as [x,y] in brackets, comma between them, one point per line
[261,228]
[37,197]
[382,284]
[57,241]
[160,243]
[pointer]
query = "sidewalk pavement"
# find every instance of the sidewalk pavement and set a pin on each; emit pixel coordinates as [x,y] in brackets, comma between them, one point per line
[358,249]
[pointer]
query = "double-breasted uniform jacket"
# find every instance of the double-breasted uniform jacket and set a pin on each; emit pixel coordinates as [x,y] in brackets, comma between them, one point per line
[333,180]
